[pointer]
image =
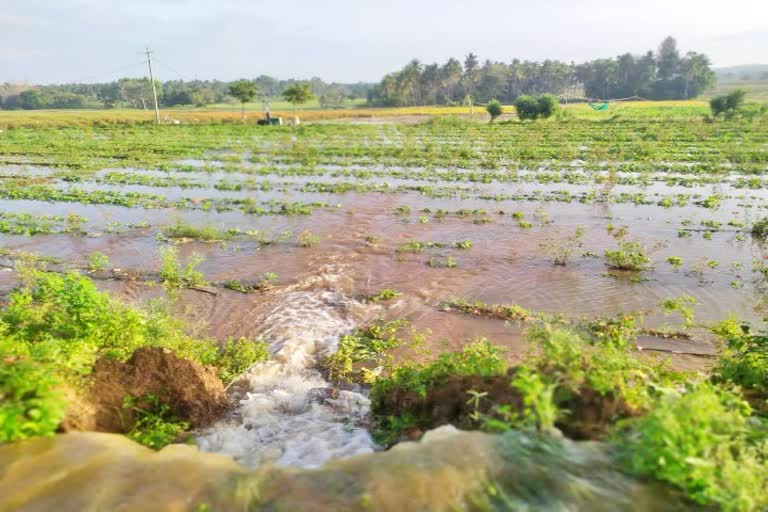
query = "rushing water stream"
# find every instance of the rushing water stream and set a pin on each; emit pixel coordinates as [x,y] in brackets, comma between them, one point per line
[287,412]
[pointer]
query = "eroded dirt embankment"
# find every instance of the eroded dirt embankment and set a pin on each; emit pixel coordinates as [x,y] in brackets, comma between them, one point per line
[450,403]
[193,392]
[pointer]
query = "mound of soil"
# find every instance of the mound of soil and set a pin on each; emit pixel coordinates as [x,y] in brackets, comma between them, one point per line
[589,413]
[448,403]
[193,391]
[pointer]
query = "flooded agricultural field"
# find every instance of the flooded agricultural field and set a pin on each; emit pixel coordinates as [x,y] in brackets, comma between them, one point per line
[364,260]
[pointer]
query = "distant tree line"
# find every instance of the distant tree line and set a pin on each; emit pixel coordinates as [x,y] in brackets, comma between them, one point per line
[664,74]
[137,93]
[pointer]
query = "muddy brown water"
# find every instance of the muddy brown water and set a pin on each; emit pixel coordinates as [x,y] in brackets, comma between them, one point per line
[506,263]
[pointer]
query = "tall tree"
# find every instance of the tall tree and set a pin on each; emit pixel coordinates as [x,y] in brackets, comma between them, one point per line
[298,94]
[668,59]
[245,91]
[696,73]
[471,69]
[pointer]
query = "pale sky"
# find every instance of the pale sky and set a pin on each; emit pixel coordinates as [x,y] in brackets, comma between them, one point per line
[53,41]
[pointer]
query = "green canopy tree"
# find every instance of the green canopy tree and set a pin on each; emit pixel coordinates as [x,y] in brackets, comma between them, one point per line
[298,94]
[244,91]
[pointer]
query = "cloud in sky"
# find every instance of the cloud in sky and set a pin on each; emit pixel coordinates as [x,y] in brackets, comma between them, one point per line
[84,40]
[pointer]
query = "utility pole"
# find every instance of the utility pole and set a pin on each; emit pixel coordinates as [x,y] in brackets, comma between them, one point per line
[154,89]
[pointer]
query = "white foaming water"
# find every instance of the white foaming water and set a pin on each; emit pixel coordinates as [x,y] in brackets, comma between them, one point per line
[287,412]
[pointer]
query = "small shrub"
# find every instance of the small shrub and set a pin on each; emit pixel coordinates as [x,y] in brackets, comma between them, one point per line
[462,244]
[675,261]
[308,239]
[628,256]
[412,246]
[208,233]
[173,275]
[237,356]
[447,262]
[760,228]
[683,305]
[69,307]
[548,105]
[527,107]
[363,345]
[494,109]
[727,103]
[97,262]
[575,366]
[560,249]
[543,107]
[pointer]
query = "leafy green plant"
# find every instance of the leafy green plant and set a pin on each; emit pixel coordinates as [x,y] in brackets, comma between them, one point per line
[207,233]
[363,345]
[447,262]
[618,331]
[156,426]
[31,401]
[384,295]
[308,239]
[675,261]
[69,307]
[703,441]
[173,275]
[560,249]
[412,246]
[760,228]
[56,326]
[683,305]
[480,358]
[238,355]
[628,256]
[97,262]
[743,357]
[539,409]
[462,244]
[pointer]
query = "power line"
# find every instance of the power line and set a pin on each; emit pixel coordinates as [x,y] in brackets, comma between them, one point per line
[166,66]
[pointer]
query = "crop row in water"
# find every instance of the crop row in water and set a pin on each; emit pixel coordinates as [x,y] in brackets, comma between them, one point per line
[542,176]
[148,200]
[642,143]
[15,191]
